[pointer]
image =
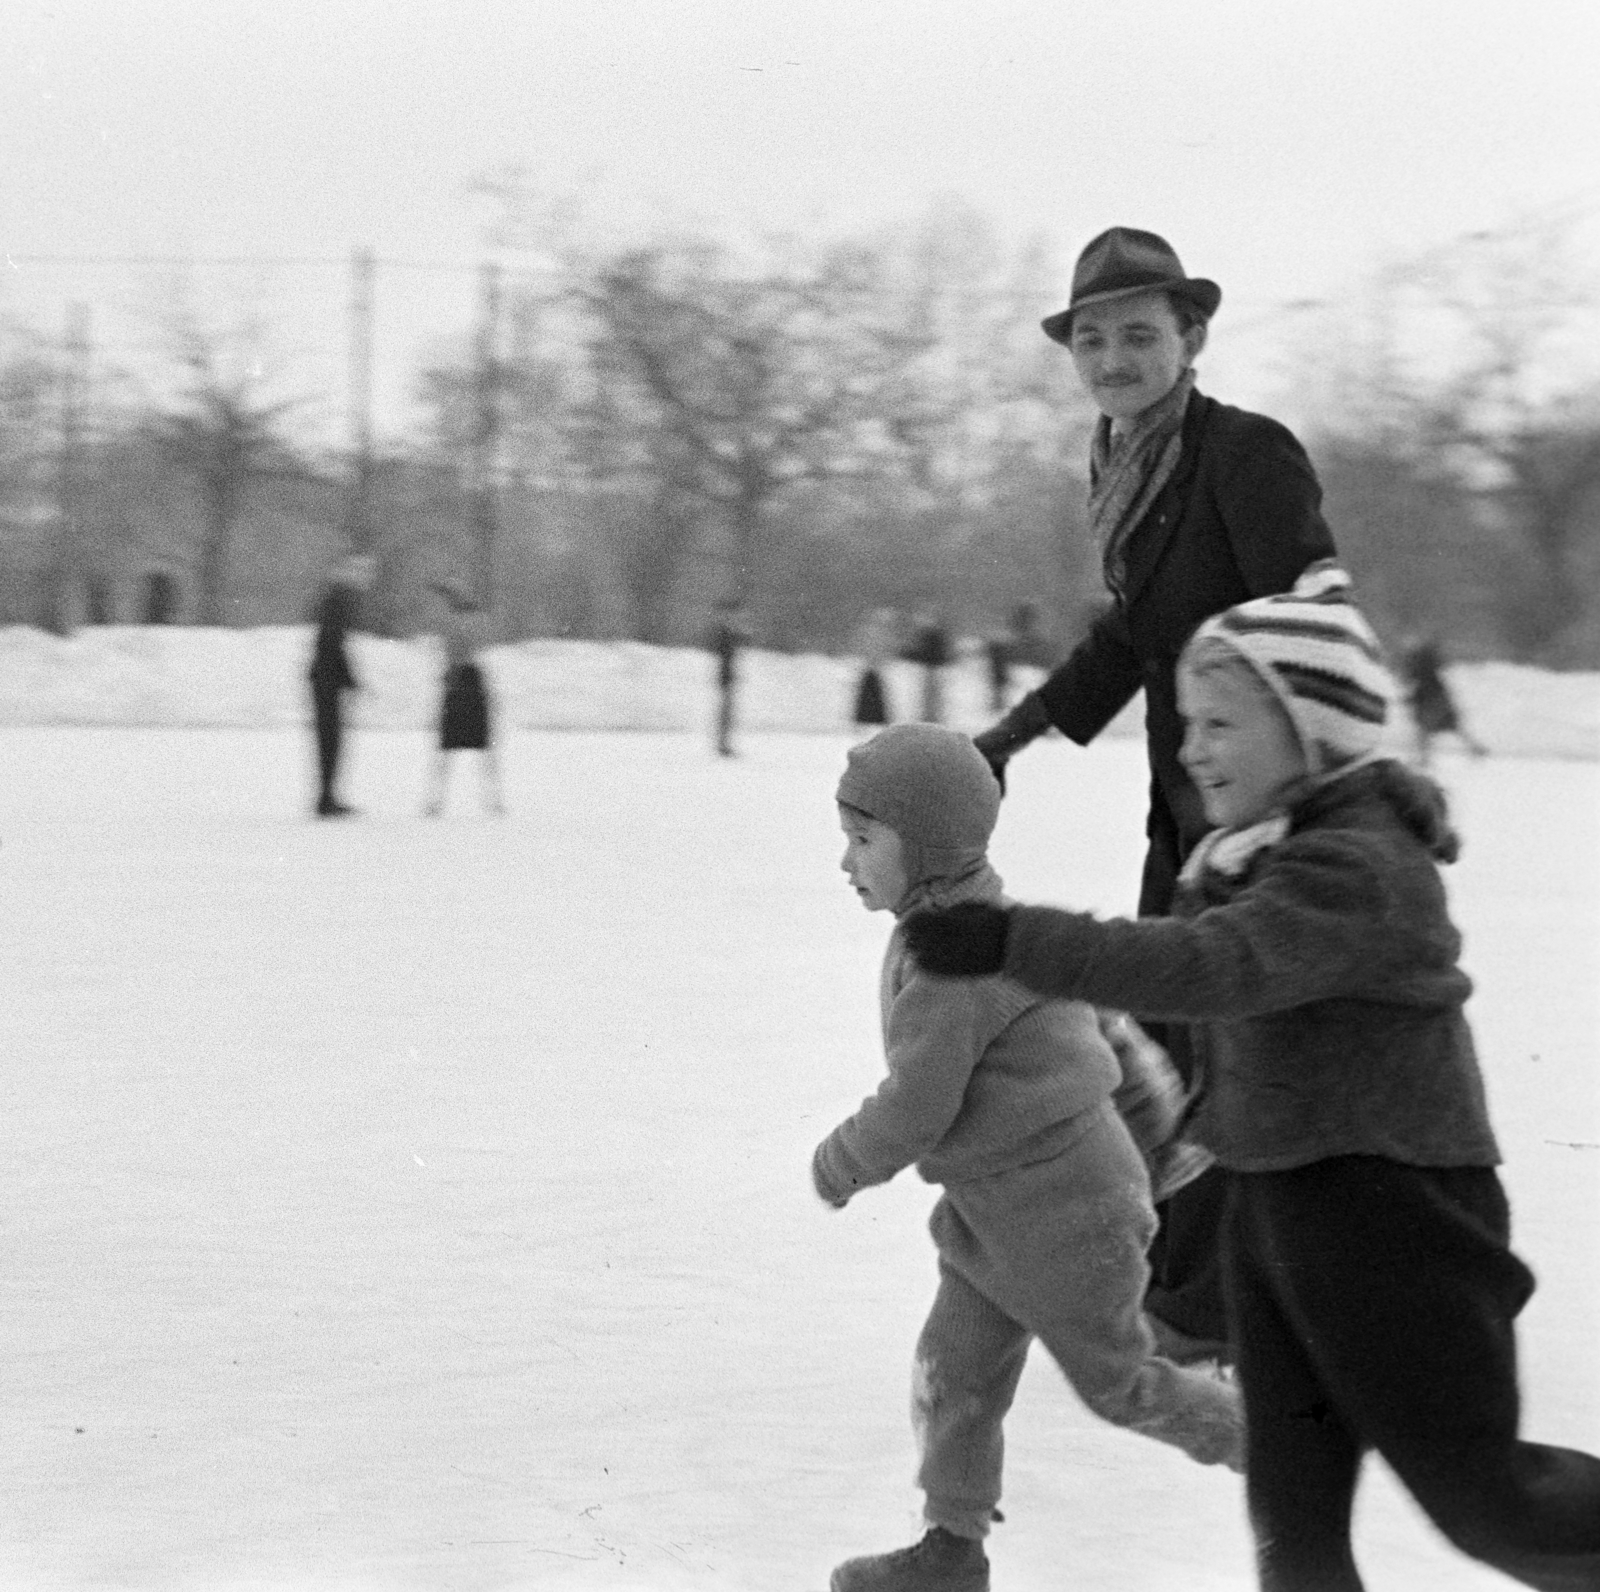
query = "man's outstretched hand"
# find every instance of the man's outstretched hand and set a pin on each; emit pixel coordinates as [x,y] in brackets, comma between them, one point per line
[997,748]
[965,941]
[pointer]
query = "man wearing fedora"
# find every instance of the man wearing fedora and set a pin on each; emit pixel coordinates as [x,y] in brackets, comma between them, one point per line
[1196,506]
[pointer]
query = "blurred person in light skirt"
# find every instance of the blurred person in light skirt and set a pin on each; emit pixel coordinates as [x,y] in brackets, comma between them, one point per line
[465,709]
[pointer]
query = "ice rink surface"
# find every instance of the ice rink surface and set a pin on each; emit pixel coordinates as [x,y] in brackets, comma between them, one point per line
[397,1203]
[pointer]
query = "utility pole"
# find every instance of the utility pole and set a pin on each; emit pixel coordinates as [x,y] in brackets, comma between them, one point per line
[66,566]
[486,432]
[358,530]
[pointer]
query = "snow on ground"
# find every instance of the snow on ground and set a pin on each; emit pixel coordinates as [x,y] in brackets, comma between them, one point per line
[407,1204]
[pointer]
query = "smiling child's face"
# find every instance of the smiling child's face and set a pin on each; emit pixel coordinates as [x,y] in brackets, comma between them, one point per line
[1238,744]
[873,861]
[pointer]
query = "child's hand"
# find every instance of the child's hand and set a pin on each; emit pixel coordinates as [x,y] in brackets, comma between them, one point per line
[965,941]
[827,1190]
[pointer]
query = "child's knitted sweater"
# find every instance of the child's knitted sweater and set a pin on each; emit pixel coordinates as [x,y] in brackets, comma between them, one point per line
[1322,980]
[984,1076]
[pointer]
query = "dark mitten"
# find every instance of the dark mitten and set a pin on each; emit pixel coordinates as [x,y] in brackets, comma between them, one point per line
[1025,722]
[965,941]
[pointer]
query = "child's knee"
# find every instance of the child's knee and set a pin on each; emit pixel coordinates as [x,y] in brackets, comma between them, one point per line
[1198,1413]
[1499,1502]
[940,1382]
[955,1414]
[936,1396]
[1108,1372]
[1121,1394]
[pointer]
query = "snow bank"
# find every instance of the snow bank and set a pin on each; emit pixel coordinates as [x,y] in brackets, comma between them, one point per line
[171,676]
[1530,712]
[150,675]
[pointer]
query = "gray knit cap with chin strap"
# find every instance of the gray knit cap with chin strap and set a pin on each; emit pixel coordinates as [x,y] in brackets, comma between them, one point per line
[931,786]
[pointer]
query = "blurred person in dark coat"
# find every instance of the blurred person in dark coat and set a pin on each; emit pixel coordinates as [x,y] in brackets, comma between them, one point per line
[875,645]
[1019,642]
[1434,711]
[726,637]
[1196,506]
[335,613]
[931,647]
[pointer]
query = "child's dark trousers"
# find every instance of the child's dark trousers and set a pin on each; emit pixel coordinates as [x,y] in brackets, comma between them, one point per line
[1372,1306]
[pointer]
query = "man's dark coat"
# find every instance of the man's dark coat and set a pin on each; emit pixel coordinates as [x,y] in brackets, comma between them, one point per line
[1241,517]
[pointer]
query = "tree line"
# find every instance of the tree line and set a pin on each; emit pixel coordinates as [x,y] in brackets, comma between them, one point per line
[816,429]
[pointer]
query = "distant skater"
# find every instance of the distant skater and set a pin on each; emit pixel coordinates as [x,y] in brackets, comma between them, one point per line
[1433,706]
[997,660]
[726,638]
[1011,1103]
[1017,642]
[465,711]
[875,643]
[1371,1287]
[331,675]
[931,648]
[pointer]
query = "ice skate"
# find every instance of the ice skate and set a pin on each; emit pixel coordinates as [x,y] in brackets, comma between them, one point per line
[941,1562]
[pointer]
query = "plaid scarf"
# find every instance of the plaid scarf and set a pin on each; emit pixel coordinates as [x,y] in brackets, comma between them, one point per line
[1127,473]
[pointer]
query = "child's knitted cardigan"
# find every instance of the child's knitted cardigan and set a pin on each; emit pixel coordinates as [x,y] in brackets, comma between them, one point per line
[984,1075]
[1321,978]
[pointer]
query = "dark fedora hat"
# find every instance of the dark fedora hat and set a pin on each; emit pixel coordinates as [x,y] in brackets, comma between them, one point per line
[1123,261]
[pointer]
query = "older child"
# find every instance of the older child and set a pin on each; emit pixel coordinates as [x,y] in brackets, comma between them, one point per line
[1006,1100]
[1371,1286]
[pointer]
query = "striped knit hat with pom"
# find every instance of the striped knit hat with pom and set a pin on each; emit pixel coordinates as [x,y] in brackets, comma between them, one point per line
[1319,657]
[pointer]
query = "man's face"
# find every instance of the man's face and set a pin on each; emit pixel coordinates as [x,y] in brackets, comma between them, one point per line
[1129,353]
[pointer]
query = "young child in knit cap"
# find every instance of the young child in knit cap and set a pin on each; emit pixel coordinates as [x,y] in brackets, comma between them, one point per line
[1007,1100]
[1370,1282]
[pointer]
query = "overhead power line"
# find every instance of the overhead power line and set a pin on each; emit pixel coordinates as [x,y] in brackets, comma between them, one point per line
[171,259]
[334,261]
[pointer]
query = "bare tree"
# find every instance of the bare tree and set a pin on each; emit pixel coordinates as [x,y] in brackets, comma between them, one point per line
[30,382]
[1510,419]
[740,412]
[226,433]
[757,381]
[1465,382]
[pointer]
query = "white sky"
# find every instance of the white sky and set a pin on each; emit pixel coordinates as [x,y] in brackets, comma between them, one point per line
[1284,148]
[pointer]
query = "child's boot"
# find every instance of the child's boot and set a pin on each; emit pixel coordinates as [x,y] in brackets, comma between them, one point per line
[941,1562]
